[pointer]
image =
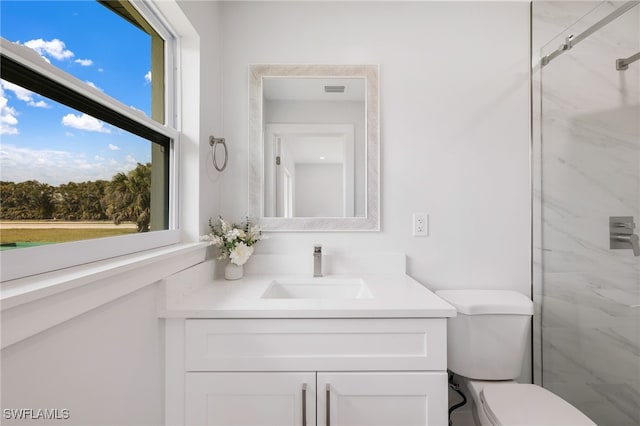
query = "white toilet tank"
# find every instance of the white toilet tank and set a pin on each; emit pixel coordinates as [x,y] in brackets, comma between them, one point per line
[488,337]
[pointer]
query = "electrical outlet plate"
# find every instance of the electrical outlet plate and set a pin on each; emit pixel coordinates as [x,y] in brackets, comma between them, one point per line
[420,224]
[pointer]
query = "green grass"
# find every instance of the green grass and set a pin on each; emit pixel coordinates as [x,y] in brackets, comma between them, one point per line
[29,237]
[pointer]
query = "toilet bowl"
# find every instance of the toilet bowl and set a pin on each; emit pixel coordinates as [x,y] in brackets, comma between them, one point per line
[486,343]
[508,403]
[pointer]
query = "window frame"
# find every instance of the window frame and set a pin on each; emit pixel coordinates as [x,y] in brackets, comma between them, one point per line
[32,261]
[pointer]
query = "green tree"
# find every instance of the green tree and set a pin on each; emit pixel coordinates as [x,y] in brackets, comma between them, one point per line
[80,200]
[26,200]
[66,200]
[128,197]
[93,193]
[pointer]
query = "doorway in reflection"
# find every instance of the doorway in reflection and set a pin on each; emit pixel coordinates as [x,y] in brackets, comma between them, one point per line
[309,170]
[314,147]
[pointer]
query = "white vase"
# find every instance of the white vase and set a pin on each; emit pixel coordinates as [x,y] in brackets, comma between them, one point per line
[233,271]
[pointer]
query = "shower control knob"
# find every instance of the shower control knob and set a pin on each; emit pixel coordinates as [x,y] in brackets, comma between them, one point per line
[621,234]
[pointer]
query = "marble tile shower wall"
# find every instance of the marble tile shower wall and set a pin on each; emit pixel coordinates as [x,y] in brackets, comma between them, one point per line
[588,165]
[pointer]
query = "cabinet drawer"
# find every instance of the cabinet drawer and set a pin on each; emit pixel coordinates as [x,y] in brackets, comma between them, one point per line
[315,344]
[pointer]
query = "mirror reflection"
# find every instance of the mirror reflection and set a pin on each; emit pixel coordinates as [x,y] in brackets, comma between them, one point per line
[314,147]
[314,136]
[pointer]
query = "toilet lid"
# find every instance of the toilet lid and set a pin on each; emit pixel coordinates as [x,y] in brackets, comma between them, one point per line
[529,405]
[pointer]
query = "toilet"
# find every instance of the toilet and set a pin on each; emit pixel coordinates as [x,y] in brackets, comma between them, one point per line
[485,345]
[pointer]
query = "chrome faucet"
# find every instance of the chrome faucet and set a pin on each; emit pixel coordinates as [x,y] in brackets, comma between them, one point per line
[317,260]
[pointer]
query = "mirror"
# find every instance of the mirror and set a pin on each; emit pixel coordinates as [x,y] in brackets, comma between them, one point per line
[314,147]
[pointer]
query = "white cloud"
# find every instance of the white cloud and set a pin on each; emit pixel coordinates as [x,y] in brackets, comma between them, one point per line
[54,48]
[8,120]
[84,62]
[84,122]
[113,147]
[23,94]
[20,92]
[54,167]
[147,77]
[39,104]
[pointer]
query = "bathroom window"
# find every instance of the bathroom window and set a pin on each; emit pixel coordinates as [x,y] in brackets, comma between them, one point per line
[88,141]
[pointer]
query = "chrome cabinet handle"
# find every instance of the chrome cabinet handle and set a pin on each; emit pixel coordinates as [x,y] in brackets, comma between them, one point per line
[328,414]
[304,404]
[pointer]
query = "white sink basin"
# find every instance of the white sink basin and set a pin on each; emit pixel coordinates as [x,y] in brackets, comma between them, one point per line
[317,288]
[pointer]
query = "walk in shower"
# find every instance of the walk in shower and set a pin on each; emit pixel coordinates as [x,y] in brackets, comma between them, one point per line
[586,180]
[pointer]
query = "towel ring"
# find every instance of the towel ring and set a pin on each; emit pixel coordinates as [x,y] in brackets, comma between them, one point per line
[213,141]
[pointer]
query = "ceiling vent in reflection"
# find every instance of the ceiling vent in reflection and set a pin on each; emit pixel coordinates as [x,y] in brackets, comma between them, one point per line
[334,89]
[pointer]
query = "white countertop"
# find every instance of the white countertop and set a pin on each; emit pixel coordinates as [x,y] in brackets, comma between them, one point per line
[393,296]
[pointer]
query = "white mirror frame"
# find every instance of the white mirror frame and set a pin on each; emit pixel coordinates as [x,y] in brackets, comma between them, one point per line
[371,220]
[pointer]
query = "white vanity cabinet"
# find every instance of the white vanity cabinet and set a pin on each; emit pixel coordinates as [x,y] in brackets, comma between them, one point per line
[227,398]
[290,399]
[307,371]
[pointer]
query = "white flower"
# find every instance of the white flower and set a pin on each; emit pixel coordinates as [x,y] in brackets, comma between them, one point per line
[232,234]
[225,226]
[213,239]
[240,254]
[255,234]
[234,241]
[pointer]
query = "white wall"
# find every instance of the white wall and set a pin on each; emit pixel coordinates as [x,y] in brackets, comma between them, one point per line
[200,109]
[106,366]
[454,125]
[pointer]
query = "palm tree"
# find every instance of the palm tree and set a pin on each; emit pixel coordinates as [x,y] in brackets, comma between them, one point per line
[128,197]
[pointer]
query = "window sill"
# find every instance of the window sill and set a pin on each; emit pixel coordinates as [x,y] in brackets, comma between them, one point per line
[32,304]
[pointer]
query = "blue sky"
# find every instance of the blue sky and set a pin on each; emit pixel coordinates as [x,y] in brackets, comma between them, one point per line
[46,141]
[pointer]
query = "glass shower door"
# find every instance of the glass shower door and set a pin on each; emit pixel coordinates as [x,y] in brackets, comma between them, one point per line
[589,303]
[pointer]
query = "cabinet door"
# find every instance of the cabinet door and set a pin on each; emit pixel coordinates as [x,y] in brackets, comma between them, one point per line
[250,399]
[382,399]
